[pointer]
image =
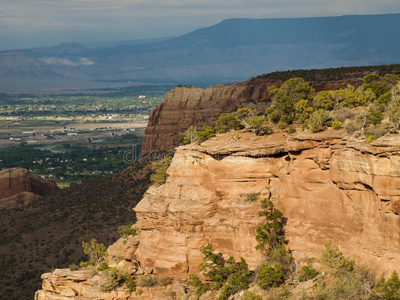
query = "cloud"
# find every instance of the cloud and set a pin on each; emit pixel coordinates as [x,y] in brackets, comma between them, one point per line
[125,19]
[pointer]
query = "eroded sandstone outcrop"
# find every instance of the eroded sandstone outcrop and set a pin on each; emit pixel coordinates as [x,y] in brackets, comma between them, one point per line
[330,188]
[18,187]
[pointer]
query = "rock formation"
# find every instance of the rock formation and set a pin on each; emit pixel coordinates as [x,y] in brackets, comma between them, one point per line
[186,106]
[331,188]
[19,187]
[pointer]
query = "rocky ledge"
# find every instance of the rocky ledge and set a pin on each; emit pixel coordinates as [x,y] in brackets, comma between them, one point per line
[191,106]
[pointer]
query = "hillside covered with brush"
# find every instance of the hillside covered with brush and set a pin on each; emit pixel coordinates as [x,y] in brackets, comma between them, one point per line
[48,233]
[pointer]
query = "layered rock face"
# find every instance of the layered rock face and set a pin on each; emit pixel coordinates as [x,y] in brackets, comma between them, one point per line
[18,187]
[329,189]
[186,106]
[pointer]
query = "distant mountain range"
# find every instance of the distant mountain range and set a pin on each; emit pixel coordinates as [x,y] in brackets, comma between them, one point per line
[232,50]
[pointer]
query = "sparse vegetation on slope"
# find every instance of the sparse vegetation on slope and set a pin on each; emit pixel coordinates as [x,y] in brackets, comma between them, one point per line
[334,276]
[95,251]
[199,136]
[296,104]
[228,275]
[126,231]
[160,168]
[48,233]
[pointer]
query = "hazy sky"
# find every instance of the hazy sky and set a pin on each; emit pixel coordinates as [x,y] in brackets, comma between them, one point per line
[32,23]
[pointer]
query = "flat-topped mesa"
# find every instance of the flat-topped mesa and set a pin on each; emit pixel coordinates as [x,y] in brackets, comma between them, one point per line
[330,190]
[186,106]
[19,187]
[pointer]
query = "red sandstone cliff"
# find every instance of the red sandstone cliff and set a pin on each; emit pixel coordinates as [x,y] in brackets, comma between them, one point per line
[19,187]
[186,106]
[329,187]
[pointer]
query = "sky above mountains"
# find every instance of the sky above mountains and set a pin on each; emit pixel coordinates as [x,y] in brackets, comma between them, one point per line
[34,23]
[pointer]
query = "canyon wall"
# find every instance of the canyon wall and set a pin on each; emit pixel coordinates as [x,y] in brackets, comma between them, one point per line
[19,187]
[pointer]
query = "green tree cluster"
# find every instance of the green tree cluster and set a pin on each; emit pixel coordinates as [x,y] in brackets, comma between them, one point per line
[333,258]
[227,122]
[357,97]
[319,120]
[204,134]
[380,85]
[335,74]
[189,135]
[117,278]
[307,273]
[160,168]
[270,231]
[244,114]
[259,125]
[387,289]
[271,276]
[228,275]
[348,281]
[285,98]
[297,102]
[394,106]
[242,118]
[95,251]
[270,236]
[192,135]
[127,231]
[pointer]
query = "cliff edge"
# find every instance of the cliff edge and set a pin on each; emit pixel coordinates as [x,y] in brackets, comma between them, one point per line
[330,187]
